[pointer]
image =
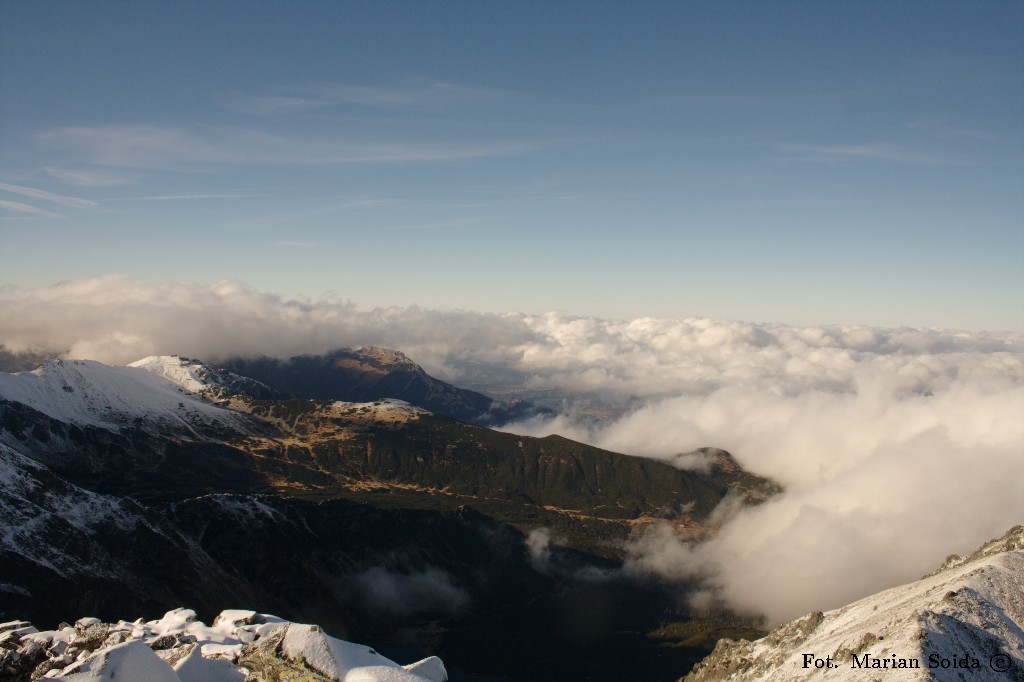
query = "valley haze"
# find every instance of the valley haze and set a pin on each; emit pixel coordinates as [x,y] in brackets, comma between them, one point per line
[895,447]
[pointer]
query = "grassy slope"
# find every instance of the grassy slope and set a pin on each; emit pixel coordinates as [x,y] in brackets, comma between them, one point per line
[590,497]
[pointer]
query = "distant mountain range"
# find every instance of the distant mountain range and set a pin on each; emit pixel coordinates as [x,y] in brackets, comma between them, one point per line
[138,489]
[372,373]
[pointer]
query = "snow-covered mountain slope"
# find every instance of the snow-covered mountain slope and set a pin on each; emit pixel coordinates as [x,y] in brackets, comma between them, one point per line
[240,645]
[197,377]
[88,393]
[64,547]
[963,622]
[46,521]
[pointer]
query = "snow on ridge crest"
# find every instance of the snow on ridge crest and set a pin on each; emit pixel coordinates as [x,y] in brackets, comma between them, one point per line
[90,393]
[197,377]
[964,621]
[178,370]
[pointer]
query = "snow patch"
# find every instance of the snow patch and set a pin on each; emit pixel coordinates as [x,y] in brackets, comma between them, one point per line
[40,517]
[181,371]
[129,661]
[388,410]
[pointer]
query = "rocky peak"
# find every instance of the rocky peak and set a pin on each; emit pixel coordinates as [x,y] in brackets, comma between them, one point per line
[391,359]
[1013,539]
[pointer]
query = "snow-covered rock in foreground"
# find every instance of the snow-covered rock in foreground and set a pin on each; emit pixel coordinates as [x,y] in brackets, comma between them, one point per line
[239,646]
[963,622]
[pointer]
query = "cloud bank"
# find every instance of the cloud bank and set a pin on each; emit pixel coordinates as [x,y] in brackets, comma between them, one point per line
[430,590]
[880,486]
[895,446]
[118,319]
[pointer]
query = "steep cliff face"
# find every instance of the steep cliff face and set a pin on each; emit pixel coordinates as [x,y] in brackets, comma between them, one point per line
[963,622]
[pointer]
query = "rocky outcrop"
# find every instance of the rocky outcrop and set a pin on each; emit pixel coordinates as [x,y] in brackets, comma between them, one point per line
[240,646]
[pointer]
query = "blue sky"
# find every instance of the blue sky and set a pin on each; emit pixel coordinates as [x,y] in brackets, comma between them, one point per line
[795,162]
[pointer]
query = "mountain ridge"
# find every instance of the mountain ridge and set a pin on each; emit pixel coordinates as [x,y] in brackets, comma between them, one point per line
[962,622]
[305,507]
[180,430]
[374,373]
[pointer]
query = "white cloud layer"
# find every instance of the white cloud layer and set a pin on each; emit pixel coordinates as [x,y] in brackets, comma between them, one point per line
[895,446]
[430,590]
[880,485]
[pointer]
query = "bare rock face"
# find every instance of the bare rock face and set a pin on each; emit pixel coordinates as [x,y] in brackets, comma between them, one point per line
[963,622]
[241,646]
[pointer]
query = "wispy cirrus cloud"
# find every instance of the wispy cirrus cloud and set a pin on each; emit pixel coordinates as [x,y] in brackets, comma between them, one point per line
[951,132]
[19,207]
[191,197]
[857,152]
[34,193]
[414,94]
[268,104]
[92,177]
[151,146]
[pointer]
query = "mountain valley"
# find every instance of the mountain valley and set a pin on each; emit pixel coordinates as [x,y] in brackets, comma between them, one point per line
[140,489]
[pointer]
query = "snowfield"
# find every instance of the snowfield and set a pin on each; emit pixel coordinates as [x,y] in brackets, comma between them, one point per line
[186,374]
[239,645]
[89,393]
[42,517]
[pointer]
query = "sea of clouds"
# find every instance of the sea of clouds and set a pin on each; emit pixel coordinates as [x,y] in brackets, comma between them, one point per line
[895,447]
